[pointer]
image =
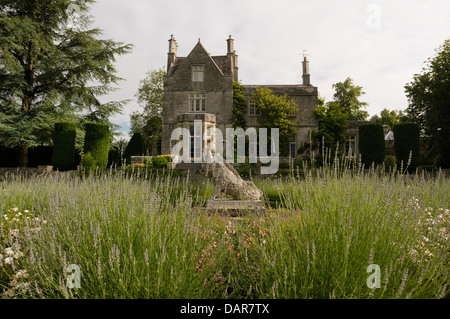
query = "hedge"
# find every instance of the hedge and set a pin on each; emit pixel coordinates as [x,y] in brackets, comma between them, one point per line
[114,157]
[9,157]
[96,142]
[40,155]
[63,156]
[135,147]
[407,139]
[371,143]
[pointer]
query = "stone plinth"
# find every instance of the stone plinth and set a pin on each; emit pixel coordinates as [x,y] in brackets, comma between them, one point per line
[235,207]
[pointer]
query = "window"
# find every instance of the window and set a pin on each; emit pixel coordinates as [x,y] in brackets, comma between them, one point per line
[292,145]
[197,73]
[197,102]
[253,109]
[195,142]
[292,113]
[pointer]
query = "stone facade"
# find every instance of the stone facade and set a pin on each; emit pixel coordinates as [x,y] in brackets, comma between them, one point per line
[200,87]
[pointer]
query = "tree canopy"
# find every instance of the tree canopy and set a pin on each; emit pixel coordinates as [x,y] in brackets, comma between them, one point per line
[347,95]
[389,118]
[332,122]
[150,97]
[333,116]
[239,105]
[275,111]
[53,68]
[429,104]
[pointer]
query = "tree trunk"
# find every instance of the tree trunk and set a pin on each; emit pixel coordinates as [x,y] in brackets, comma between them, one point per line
[23,156]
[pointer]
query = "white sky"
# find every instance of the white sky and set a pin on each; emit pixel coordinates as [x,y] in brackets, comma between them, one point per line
[379,44]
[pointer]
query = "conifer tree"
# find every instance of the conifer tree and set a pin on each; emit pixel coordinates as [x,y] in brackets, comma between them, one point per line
[52,68]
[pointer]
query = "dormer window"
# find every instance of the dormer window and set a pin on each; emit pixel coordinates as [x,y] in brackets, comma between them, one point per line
[198,73]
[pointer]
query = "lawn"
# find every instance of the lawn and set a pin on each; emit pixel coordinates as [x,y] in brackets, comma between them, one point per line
[322,236]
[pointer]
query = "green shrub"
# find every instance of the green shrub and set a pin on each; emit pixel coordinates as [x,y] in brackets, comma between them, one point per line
[167,157]
[298,162]
[135,147]
[63,155]
[88,163]
[159,162]
[114,157]
[371,143]
[390,163]
[96,142]
[406,140]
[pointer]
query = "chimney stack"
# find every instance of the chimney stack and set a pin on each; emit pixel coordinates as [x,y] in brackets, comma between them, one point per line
[233,58]
[172,55]
[306,75]
[230,45]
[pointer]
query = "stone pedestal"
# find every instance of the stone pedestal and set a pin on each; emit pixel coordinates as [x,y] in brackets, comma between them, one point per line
[235,208]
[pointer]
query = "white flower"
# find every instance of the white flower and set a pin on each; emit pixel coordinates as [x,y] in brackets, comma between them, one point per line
[9,251]
[26,211]
[15,209]
[8,260]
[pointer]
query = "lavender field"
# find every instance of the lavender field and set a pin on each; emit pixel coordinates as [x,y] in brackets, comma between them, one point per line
[149,237]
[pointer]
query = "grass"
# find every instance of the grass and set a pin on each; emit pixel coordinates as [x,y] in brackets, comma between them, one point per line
[148,237]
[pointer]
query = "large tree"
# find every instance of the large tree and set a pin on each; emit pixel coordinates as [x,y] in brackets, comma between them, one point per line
[52,68]
[150,98]
[333,116]
[429,104]
[347,95]
[332,122]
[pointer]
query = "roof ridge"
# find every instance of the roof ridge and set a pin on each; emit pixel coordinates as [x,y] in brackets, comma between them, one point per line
[212,60]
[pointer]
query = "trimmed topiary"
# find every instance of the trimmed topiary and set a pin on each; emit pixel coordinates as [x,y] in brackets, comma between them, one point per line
[407,139]
[96,142]
[135,147]
[63,155]
[371,143]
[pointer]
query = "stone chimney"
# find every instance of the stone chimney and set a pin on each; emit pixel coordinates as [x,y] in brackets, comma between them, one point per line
[233,58]
[172,55]
[306,75]
[230,45]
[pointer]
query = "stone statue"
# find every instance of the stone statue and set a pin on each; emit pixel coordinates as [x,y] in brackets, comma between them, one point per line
[228,181]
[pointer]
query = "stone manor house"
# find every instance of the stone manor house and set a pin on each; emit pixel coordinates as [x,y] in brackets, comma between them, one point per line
[200,87]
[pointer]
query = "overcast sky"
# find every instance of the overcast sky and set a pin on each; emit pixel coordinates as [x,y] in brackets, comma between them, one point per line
[379,44]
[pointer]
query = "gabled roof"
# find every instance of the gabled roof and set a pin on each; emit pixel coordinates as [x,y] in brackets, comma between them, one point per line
[222,63]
